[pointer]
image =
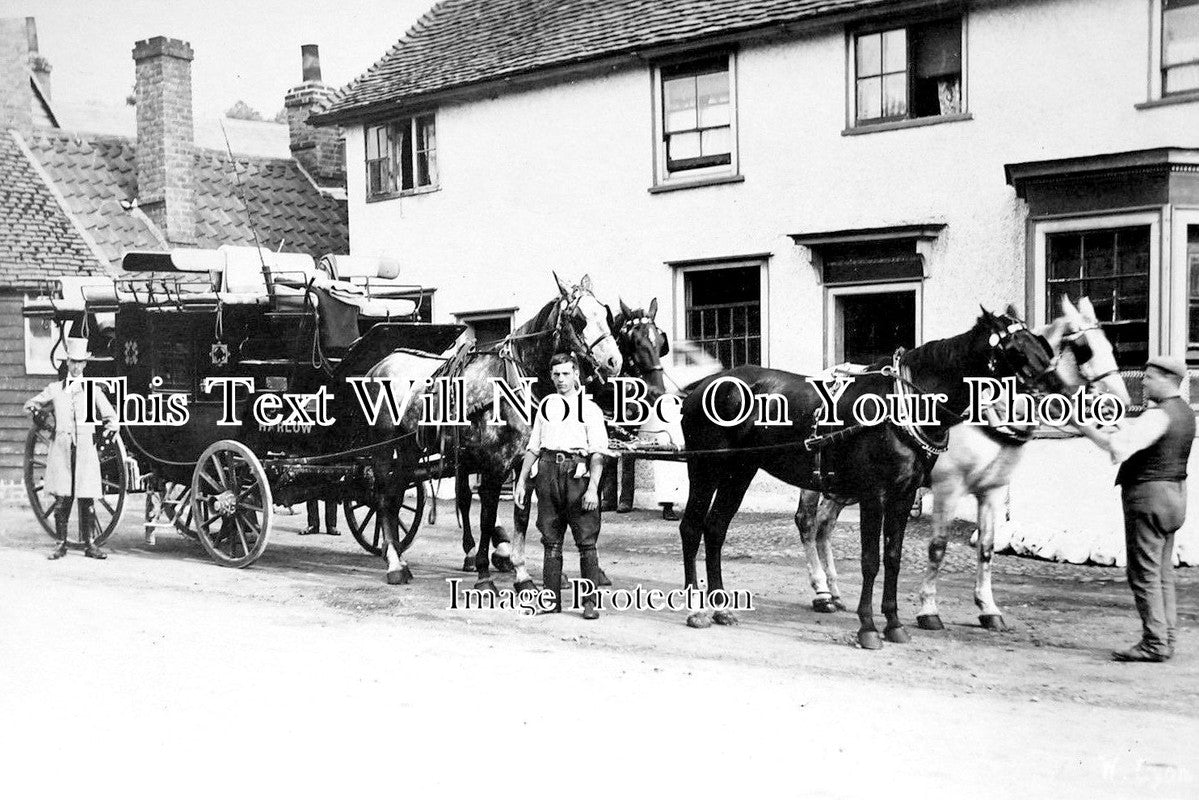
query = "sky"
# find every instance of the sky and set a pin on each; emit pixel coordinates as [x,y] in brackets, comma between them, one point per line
[244,49]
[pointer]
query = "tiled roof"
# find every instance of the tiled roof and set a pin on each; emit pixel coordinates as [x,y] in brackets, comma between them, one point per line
[461,42]
[96,173]
[37,239]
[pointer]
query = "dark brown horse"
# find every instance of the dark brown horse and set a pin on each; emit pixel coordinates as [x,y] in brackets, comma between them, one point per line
[880,465]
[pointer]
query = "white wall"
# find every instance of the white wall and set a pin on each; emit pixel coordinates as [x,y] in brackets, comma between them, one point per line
[557,178]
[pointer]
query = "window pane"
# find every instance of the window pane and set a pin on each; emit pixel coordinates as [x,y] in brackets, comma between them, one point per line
[426,134]
[405,146]
[870,59]
[895,95]
[870,98]
[1180,34]
[712,92]
[679,102]
[1181,79]
[683,145]
[716,141]
[937,48]
[372,143]
[895,50]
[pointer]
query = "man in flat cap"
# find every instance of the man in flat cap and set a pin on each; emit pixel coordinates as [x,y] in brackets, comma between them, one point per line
[1152,452]
[73,463]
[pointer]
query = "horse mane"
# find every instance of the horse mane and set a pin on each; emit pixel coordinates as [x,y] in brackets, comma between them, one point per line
[939,352]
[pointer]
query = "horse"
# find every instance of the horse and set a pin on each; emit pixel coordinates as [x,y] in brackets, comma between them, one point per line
[979,461]
[575,321]
[643,345]
[881,465]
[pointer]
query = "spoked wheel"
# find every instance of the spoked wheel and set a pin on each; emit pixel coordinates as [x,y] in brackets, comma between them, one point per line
[232,504]
[113,478]
[177,499]
[364,521]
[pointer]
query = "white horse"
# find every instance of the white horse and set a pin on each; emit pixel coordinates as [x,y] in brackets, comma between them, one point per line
[979,461]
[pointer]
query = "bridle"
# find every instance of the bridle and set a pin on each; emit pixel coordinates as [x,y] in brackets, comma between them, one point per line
[1003,344]
[626,336]
[563,329]
[1083,353]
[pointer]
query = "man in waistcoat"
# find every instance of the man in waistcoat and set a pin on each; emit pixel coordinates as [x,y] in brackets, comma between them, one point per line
[73,463]
[567,446]
[1152,451]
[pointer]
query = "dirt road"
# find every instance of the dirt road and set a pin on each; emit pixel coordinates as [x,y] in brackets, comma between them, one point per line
[156,673]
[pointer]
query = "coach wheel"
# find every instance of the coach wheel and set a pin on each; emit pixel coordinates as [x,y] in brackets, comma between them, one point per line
[231,503]
[177,501]
[114,479]
[368,530]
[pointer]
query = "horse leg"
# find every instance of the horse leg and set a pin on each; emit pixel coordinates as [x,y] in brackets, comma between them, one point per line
[520,522]
[871,528]
[462,499]
[806,522]
[489,507]
[702,480]
[826,522]
[724,508]
[389,518]
[895,523]
[990,614]
[945,502]
[489,499]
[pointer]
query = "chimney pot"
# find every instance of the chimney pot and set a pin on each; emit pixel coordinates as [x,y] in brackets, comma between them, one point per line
[310,59]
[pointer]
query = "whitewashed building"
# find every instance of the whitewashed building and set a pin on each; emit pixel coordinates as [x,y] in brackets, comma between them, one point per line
[799,182]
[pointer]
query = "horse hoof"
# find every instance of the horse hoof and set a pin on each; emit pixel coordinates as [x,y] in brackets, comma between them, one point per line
[929,622]
[897,635]
[869,640]
[399,577]
[838,603]
[699,620]
[725,618]
[993,622]
[525,586]
[502,563]
[824,605]
[468,564]
[487,586]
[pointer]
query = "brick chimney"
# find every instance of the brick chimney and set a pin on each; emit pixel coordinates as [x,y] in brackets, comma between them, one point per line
[37,62]
[165,136]
[321,151]
[16,93]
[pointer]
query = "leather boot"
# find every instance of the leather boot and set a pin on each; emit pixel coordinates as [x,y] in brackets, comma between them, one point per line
[87,531]
[628,480]
[551,576]
[668,512]
[62,517]
[589,566]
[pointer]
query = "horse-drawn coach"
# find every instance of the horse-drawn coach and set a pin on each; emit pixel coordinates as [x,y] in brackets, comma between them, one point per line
[239,321]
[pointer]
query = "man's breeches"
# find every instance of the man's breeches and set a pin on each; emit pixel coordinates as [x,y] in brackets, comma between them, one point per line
[560,504]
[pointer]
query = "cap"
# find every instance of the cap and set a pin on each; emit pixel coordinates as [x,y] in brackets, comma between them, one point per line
[1172,364]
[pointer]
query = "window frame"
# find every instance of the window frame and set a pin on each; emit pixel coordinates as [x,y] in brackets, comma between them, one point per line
[33,365]
[853,124]
[679,294]
[401,148]
[663,176]
[834,345]
[469,318]
[1038,301]
[1157,94]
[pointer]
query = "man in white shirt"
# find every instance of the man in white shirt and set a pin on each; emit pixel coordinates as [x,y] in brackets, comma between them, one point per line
[568,445]
[1152,451]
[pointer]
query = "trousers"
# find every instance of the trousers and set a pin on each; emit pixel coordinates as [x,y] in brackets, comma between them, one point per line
[1153,512]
